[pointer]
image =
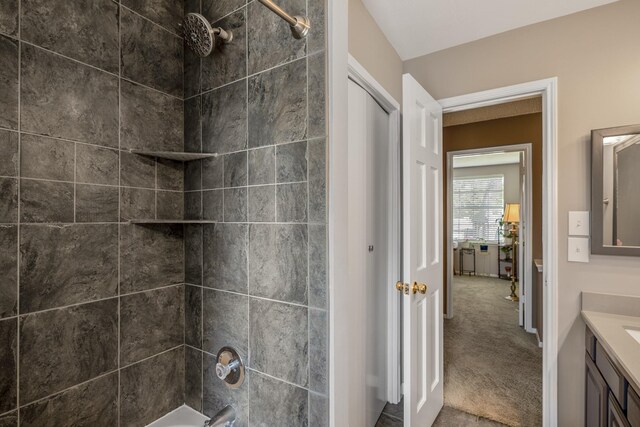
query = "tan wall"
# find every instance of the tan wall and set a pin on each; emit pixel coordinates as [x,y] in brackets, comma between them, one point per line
[369,46]
[594,54]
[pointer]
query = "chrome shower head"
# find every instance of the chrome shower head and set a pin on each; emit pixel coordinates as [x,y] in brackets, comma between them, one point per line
[199,34]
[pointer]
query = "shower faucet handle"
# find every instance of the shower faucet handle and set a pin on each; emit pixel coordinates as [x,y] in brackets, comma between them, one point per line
[223,370]
[229,367]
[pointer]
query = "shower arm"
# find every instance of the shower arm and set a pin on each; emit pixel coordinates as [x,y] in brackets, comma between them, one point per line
[300,25]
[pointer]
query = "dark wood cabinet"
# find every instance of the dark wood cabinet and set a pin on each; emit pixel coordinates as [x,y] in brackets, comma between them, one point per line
[610,401]
[633,408]
[616,417]
[596,396]
[615,380]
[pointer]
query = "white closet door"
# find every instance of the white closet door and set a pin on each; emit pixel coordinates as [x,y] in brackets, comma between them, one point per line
[368,169]
[377,258]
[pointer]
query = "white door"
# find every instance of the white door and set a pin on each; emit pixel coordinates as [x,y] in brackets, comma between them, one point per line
[368,249]
[377,279]
[422,255]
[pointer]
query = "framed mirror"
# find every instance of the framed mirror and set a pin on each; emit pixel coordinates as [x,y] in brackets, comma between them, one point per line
[615,191]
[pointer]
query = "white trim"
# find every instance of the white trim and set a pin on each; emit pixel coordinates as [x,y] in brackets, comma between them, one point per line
[339,295]
[528,256]
[498,95]
[548,88]
[528,249]
[359,75]
[535,331]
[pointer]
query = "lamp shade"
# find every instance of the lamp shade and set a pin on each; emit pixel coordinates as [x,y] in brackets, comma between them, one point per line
[512,213]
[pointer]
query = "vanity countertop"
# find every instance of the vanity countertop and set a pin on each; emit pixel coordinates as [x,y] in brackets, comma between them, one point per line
[610,330]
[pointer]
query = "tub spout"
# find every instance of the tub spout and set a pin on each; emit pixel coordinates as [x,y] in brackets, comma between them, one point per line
[225,418]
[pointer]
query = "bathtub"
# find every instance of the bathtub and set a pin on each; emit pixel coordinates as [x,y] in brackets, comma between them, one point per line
[184,416]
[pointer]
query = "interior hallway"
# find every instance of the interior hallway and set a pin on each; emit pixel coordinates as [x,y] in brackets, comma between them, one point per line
[492,367]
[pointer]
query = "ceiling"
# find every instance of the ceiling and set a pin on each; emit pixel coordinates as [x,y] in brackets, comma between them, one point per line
[490,159]
[419,27]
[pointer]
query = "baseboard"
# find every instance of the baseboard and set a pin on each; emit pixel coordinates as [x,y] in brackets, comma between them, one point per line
[538,338]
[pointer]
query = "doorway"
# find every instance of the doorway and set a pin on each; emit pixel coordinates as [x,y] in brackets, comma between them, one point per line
[487,181]
[492,363]
[343,299]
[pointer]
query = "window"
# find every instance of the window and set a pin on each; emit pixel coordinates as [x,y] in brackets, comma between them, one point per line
[478,204]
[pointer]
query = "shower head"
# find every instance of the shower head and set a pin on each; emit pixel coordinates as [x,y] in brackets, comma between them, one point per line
[199,34]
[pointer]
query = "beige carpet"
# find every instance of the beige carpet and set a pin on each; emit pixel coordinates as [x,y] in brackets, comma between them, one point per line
[492,367]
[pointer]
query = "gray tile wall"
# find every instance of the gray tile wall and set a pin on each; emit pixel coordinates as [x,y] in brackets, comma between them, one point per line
[256,280]
[92,309]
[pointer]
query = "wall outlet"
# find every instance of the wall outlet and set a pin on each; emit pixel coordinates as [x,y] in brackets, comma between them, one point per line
[578,249]
[579,223]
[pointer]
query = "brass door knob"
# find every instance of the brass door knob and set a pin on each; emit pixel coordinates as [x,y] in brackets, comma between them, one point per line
[419,287]
[403,287]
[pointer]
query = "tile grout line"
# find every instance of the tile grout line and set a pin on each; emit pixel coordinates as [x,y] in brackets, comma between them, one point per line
[121,295]
[62,55]
[294,304]
[151,88]
[151,21]
[202,151]
[127,150]
[249,361]
[262,373]
[112,74]
[155,188]
[102,375]
[202,229]
[101,185]
[18,228]
[75,188]
[64,390]
[222,214]
[119,404]
[250,76]
[307,226]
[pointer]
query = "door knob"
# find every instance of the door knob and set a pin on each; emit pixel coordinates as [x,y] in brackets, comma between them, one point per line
[402,287]
[419,287]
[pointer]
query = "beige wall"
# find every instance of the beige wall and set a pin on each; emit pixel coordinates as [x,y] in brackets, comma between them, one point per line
[594,54]
[369,46]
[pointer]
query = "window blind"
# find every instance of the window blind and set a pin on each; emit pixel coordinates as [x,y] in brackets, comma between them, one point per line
[478,205]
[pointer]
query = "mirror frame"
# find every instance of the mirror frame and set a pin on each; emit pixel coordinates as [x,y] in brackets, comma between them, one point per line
[597,244]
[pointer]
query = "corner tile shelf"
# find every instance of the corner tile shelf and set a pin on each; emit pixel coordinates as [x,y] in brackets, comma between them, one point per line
[170,221]
[175,155]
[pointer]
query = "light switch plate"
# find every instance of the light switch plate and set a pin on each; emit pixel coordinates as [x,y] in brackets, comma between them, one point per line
[578,249]
[579,223]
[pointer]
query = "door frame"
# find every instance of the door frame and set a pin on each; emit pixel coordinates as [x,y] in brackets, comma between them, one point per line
[548,89]
[340,342]
[527,270]
[359,75]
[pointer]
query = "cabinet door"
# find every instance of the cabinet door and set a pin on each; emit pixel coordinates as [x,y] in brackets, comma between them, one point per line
[616,417]
[595,397]
[633,408]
